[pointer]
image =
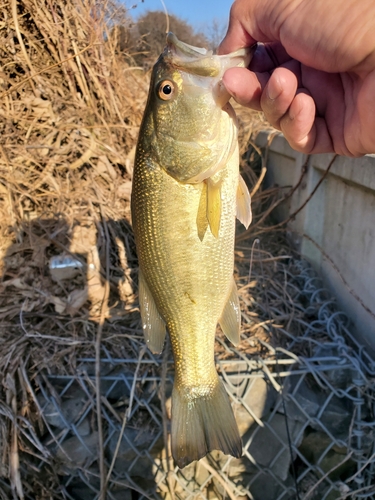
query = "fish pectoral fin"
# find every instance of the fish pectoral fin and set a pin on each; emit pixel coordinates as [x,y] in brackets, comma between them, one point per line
[230,320]
[201,424]
[244,214]
[214,206]
[153,325]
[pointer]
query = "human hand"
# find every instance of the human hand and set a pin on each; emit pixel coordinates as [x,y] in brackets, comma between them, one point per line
[314,74]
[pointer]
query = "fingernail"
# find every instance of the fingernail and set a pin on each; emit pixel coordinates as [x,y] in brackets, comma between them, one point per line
[273,89]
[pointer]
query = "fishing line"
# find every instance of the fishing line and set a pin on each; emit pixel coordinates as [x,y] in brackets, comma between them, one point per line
[290,444]
[166,15]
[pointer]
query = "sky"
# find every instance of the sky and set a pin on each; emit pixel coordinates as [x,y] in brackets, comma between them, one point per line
[199,13]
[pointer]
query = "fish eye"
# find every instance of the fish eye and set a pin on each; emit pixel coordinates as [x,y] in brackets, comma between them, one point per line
[166,90]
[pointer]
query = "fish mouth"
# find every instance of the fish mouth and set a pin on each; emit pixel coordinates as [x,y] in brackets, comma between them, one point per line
[194,60]
[202,62]
[184,49]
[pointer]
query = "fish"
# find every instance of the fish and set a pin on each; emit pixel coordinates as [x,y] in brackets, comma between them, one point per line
[186,194]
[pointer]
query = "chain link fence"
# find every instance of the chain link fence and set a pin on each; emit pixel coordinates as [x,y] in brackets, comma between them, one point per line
[304,405]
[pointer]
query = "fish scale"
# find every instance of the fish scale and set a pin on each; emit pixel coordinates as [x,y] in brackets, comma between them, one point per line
[184,234]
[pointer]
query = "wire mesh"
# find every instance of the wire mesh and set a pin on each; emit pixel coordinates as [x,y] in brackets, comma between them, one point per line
[305,410]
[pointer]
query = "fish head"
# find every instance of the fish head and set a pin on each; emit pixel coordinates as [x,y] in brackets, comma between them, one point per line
[189,126]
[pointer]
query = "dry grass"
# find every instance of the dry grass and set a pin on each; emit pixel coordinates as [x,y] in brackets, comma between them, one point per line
[70,110]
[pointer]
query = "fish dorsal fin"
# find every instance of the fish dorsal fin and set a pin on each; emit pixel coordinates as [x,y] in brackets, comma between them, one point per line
[153,325]
[230,320]
[214,206]
[244,214]
[202,221]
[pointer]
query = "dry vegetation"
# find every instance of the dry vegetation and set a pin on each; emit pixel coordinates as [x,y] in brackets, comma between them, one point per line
[70,112]
[70,108]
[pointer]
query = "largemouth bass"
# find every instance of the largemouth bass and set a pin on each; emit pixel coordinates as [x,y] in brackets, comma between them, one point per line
[185,197]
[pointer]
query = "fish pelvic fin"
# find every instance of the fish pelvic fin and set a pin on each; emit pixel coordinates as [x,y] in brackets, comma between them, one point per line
[214,206]
[244,214]
[230,320]
[153,325]
[203,423]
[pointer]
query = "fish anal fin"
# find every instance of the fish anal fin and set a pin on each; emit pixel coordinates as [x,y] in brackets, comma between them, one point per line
[153,325]
[244,214]
[230,320]
[214,206]
[202,221]
[202,424]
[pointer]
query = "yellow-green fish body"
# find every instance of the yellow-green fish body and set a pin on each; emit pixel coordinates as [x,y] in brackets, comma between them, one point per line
[186,194]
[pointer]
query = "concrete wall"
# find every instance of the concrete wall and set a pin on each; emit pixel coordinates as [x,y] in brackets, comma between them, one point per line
[340,218]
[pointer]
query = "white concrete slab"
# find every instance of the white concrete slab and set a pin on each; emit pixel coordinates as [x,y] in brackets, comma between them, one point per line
[339,218]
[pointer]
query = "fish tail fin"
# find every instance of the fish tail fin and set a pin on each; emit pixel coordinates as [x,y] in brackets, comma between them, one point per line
[201,424]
